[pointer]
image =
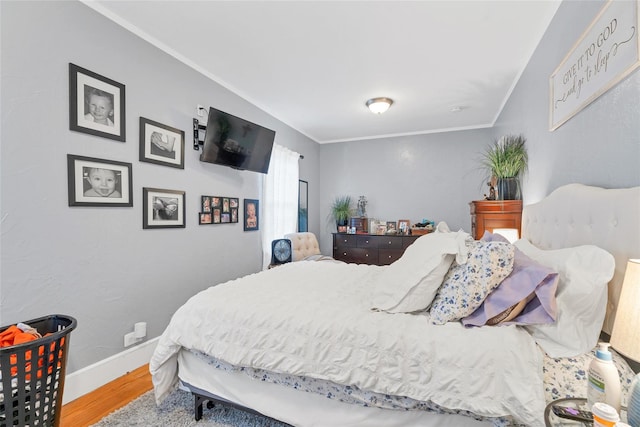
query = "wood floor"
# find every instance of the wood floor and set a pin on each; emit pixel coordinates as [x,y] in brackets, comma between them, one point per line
[92,407]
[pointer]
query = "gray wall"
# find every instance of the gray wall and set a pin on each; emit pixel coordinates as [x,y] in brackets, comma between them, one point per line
[598,146]
[429,176]
[436,176]
[98,264]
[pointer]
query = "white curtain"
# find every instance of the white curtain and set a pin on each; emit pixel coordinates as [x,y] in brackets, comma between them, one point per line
[279,199]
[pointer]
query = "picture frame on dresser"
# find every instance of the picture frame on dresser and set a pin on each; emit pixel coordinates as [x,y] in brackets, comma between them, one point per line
[96,104]
[392,227]
[161,144]
[403,226]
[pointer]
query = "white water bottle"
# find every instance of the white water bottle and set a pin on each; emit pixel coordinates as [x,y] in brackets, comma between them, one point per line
[604,381]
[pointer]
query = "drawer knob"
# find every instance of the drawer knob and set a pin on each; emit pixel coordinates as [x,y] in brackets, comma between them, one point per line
[366,255]
[389,256]
[345,240]
[344,253]
[367,242]
[389,242]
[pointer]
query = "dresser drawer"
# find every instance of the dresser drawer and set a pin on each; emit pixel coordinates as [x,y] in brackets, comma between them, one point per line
[387,242]
[356,255]
[369,248]
[408,240]
[388,256]
[345,240]
[367,242]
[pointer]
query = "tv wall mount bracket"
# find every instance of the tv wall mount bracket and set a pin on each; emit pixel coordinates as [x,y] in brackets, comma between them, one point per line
[197,128]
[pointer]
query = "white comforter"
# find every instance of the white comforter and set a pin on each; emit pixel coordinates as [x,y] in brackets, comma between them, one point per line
[313,319]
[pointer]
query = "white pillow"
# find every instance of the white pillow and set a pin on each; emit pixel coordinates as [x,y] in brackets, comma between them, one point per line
[410,283]
[584,273]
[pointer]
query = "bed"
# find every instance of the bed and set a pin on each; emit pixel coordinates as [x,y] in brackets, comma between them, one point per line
[332,344]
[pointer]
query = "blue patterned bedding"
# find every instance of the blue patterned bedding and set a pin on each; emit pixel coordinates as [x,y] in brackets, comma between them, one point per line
[563,377]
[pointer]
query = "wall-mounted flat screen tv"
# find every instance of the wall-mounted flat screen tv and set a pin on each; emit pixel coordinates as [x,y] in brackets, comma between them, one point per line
[235,142]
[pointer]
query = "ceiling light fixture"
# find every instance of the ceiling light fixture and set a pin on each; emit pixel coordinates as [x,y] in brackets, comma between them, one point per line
[379,105]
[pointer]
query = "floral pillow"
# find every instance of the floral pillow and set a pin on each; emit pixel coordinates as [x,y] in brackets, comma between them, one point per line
[467,285]
[526,297]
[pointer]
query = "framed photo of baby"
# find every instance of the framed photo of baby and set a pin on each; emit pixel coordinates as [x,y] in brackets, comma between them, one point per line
[99,182]
[161,144]
[96,104]
[251,214]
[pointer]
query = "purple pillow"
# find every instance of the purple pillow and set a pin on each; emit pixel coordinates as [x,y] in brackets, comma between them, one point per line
[528,277]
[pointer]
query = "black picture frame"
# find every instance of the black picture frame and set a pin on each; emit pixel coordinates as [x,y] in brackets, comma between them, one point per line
[248,222]
[161,144]
[113,182]
[222,210]
[205,218]
[90,95]
[162,208]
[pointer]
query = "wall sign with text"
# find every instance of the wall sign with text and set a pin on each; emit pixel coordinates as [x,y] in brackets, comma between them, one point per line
[606,53]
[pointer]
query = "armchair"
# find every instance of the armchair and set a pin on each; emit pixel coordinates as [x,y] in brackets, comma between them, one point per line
[304,246]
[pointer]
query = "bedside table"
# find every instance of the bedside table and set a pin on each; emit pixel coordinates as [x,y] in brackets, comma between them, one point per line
[491,214]
[551,420]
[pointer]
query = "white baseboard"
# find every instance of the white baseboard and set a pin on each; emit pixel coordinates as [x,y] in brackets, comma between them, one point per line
[89,378]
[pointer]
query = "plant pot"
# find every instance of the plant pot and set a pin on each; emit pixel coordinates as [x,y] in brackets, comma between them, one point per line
[509,189]
[342,225]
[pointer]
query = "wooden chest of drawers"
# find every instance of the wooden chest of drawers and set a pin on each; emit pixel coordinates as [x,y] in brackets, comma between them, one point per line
[369,248]
[491,214]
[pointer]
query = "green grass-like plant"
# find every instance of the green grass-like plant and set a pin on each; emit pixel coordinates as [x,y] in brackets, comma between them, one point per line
[507,157]
[341,209]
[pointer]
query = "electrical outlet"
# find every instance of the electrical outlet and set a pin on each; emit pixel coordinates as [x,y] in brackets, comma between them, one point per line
[200,110]
[130,339]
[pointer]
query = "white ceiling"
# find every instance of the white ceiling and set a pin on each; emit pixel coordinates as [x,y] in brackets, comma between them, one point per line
[313,64]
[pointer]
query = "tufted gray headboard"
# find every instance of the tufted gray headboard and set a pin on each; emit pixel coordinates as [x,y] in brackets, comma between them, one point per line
[577,214]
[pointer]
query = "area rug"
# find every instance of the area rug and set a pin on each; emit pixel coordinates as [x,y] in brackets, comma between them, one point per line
[177,411]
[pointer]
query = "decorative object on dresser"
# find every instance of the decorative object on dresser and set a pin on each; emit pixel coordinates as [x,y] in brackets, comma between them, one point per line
[360,222]
[370,249]
[360,225]
[423,227]
[403,226]
[491,215]
[341,211]
[507,160]
[625,337]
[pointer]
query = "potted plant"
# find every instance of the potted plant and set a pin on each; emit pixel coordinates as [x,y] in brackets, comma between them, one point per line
[507,160]
[341,211]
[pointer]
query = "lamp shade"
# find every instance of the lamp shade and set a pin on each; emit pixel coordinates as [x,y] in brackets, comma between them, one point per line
[379,105]
[625,337]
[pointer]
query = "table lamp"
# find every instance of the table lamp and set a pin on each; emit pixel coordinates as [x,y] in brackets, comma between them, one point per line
[625,337]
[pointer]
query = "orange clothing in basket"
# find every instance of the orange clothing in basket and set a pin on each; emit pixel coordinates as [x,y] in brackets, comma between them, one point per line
[14,335]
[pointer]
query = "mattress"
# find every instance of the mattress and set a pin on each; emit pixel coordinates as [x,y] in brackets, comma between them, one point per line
[304,399]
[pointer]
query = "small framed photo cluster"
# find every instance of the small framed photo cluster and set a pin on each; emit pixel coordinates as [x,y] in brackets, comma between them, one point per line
[218,210]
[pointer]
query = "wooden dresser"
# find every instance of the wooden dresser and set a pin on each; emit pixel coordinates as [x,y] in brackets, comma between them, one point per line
[491,214]
[370,248]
